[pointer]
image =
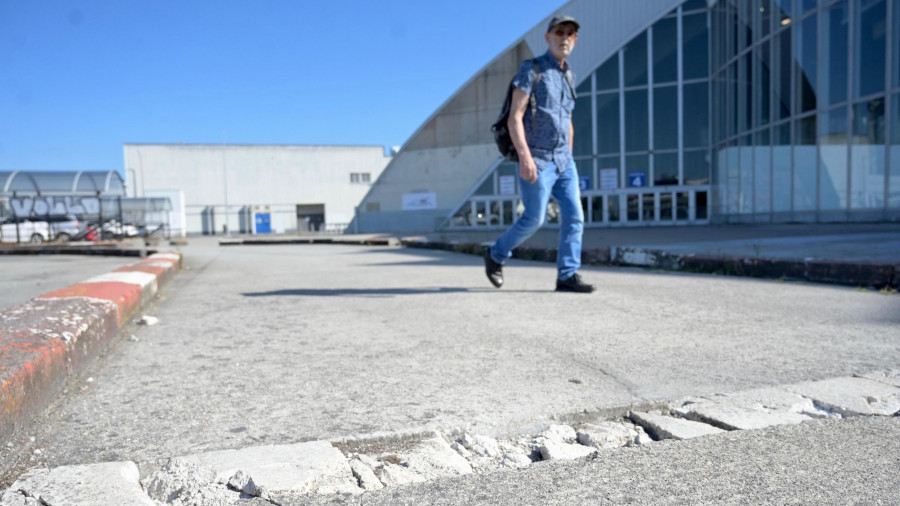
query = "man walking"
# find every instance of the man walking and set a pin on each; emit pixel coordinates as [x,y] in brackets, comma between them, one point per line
[543,141]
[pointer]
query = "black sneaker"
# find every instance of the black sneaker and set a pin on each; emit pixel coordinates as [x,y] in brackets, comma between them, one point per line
[574,284]
[493,270]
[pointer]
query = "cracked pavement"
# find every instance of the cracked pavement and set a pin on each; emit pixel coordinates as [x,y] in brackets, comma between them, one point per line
[284,344]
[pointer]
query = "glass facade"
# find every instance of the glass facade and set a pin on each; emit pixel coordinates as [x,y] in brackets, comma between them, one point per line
[742,111]
[823,78]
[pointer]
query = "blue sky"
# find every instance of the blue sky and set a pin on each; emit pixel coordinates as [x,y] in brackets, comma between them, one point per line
[79,78]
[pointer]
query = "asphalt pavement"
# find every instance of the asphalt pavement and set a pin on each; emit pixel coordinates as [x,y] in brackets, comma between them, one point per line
[24,277]
[282,344]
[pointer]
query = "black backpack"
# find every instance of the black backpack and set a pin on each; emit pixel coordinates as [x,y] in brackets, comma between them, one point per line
[500,129]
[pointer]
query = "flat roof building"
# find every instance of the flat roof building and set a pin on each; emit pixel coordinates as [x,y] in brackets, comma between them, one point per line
[254,188]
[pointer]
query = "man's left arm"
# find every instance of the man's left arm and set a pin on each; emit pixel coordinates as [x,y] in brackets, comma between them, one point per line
[571,137]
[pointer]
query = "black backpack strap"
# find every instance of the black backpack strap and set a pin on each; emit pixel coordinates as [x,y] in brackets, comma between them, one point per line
[535,79]
[570,78]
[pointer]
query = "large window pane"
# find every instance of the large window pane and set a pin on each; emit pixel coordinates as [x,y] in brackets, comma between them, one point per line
[833,155]
[637,169]
[762,179]
[731,99]
[867,155]
[745,93]
[745,22]
[746,199]
[783,12]
[806,5]
[581,121]
[696,116]
[732,174]
[781,168]
[805,164]
[694,4]
[610,164]
[696,167]
[696,46]
[762,9]
[636,61]
[805,45]
[896,27]
[762,89]
[782,78]
[834,54]
[870,47]
[636,128]
[608,74]
[894,190]
[665,54]
[665,117]
[608,122]
[665,169]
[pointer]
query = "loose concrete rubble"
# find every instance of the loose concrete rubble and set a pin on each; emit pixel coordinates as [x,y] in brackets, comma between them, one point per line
[267,474]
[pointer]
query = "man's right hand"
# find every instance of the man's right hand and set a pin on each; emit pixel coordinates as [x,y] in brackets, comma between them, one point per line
[528,169]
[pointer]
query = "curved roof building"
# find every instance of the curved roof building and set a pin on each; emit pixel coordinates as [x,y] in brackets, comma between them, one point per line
[688,112]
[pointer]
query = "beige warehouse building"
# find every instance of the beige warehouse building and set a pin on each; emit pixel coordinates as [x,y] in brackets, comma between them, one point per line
[254,188]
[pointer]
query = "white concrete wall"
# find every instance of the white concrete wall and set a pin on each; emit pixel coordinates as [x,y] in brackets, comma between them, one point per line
[280,177]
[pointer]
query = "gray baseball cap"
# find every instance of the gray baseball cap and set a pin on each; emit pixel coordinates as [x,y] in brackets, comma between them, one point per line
[558,20]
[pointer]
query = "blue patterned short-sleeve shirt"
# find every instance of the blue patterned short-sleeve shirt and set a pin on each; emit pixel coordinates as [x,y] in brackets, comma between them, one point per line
[548,137]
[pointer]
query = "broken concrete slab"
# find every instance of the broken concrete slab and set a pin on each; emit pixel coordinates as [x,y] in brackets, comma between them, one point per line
[888,377]
[560,433]
[515,460]
[365,475]
[730,417]
[606,434]
[483,446]
[394,474]
[667,427]
[434,458]
[770,399]
[186,482]
[315,466]
[107,483]
[851,396]
[555,450]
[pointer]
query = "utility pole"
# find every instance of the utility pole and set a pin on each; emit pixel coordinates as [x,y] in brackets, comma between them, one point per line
[225,185]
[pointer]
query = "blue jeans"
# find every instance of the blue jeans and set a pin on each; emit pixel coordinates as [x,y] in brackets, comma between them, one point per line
[563,186]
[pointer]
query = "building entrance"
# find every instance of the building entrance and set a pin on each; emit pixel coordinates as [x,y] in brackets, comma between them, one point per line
[310,217]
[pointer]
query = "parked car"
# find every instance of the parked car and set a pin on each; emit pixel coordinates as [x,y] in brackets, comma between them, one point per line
[64,227]
[29,231]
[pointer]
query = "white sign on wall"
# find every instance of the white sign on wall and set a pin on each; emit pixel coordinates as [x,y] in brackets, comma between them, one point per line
[609,179]
[507,185]
[419,201]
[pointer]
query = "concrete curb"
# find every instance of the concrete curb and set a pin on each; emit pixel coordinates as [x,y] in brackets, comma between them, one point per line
[875,274]
[54,335]
[368,241]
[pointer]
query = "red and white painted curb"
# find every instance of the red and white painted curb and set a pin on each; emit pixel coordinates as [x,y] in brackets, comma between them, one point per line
[46,339]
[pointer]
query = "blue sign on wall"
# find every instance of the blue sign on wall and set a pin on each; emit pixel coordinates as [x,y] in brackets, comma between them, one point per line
[637,179]
[584,183]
